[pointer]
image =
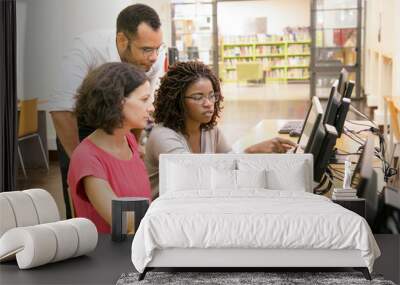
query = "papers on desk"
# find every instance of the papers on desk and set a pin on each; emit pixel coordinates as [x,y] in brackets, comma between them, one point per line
[344,194]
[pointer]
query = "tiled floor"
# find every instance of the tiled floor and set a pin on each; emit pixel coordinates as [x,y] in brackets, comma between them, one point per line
[244,107]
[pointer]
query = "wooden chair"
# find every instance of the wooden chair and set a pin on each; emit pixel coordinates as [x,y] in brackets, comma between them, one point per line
[394,111]
[28,128]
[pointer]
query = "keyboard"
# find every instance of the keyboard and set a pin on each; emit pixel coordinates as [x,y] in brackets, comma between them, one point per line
[289,126]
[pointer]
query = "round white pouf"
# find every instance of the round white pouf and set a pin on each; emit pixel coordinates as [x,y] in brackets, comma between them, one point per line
[46,207]
[40,244]
[23,208]
[33,246]
[6,215]
[87,234]
[67,240]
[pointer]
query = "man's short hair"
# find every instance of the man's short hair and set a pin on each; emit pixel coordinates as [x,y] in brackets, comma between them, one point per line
[132,16]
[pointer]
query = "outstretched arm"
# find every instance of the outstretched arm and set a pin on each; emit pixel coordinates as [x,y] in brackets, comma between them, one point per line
[275,145]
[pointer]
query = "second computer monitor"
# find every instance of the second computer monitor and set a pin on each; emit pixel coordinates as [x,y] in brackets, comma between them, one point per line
[324,141]
[343,77]
[364,179]
[336,110]
[310,126]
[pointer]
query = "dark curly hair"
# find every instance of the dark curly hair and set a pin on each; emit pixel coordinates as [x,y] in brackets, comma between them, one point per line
[99,98]
[169,103]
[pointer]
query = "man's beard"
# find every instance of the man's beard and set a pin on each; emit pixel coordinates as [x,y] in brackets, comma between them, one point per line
[127,58]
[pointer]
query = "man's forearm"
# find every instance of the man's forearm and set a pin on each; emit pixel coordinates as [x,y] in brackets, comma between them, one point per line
[67,130]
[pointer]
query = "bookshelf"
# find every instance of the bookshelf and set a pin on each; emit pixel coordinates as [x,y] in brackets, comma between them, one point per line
[282,61]
[337,29]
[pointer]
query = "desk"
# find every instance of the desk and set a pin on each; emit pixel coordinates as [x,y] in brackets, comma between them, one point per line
[110,259]
[102,266]
[268,129]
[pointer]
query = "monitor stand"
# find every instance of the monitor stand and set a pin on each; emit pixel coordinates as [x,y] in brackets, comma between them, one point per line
[337,158]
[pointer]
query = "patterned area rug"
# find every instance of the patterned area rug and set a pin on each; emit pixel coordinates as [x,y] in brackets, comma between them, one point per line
[225,278]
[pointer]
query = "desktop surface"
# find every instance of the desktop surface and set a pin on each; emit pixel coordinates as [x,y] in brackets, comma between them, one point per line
[104,265]
[110,259]
[268,129]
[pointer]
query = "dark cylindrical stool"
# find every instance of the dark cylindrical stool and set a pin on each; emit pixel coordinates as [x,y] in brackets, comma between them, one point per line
[119,207]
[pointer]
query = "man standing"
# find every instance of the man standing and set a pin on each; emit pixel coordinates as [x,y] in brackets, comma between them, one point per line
[138,40]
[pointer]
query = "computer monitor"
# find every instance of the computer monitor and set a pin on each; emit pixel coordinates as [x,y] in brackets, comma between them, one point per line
[363,169]
[336,110]
[364,180]
[341,115]
[321,148]
[332,106]
[349,89]
[310,126]
[343,77]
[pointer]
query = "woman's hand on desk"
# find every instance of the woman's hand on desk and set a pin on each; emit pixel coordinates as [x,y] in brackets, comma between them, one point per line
[275,145]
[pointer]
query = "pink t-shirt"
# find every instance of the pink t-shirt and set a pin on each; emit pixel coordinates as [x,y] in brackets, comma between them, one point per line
[127,178]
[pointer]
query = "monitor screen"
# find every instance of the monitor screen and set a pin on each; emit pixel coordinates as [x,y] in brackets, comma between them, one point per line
[310,126]
[342,88]
[363,169]
[332,107]
[341,115]
[322,149]
[364,179]
[349,89]
[343,77]
[336,110]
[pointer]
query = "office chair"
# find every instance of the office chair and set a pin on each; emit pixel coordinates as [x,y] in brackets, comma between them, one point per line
[28,128]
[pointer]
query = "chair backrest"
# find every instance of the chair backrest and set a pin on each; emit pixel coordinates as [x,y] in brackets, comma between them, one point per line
[28,117]
[248,71]
[394,111]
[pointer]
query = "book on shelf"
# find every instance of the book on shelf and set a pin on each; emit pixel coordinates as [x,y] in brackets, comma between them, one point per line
[283,57]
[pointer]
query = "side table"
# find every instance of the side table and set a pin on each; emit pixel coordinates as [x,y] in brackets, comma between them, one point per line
[356,205]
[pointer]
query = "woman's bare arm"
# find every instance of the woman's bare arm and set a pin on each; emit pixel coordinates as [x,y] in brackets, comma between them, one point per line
[100,195]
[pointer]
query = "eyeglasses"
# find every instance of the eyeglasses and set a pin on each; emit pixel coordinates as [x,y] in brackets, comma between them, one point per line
[148,51]
[200,99]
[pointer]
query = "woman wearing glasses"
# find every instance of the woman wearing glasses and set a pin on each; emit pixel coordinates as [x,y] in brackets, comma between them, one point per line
[187,106]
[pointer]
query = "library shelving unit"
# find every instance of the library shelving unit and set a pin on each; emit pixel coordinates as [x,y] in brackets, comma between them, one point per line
[336,33]
[284,61]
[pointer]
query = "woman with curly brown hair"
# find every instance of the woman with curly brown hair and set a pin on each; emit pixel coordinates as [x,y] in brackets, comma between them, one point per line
[114,98]
[187,106]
